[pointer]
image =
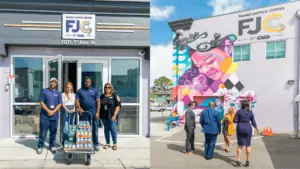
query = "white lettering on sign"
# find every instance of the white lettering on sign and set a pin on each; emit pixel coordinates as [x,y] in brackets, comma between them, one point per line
[78,42]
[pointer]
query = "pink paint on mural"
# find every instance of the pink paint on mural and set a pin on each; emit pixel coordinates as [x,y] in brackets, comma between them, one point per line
[203,68]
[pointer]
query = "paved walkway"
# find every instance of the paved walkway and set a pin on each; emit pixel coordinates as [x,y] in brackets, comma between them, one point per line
[167,151]
[133,153]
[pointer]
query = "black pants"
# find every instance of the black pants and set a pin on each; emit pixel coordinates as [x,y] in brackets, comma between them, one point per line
[190,139]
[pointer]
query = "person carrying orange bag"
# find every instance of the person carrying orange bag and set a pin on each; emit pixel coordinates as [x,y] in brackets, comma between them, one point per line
[228,127]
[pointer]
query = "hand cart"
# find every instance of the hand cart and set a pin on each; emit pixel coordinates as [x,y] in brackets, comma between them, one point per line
[78,142]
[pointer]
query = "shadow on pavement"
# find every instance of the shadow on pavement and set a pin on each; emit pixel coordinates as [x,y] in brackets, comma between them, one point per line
[161,119]
[179,148]
[33,142]
[283,150]
[28,142]
[60,157]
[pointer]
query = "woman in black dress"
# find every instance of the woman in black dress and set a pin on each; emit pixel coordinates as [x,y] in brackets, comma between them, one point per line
[110,106]
[244,131]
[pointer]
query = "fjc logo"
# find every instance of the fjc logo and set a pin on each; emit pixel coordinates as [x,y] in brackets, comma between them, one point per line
[271,23]
[76,26]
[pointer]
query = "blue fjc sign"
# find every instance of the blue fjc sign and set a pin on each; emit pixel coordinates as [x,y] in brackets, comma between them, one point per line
[78,26]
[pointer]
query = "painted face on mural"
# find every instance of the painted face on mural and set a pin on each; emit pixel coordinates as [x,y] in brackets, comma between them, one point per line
[199,83]
[208,64]
[192,78]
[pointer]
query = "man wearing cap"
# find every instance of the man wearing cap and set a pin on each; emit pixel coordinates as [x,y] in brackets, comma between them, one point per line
[88,100]
[50,101]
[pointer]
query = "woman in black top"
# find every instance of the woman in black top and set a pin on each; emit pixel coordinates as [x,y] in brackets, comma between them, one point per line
[110,106]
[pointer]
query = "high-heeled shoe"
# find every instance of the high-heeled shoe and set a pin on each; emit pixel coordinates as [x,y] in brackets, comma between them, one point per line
[247,164]
[238,164]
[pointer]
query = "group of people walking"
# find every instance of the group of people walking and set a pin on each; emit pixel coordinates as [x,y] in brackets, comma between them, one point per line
[104,107]
[212,125]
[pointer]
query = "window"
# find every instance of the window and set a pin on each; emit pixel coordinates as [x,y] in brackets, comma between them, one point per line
[129,120]
[276,50]
[241,53]
[125,77]
[26,91]
[29,79]
[95,72]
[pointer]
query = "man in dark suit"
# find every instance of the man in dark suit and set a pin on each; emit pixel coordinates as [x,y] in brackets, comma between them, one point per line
[189,127]
[211,127]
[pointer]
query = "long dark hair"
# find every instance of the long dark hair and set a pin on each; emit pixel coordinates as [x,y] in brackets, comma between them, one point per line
[245,105]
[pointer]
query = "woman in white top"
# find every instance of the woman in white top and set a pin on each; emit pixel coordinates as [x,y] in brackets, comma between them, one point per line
[68,104]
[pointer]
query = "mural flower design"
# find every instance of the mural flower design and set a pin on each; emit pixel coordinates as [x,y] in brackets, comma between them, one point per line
[248,95]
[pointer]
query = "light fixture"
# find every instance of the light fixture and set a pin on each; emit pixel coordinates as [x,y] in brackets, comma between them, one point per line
[290,82]
[298,13]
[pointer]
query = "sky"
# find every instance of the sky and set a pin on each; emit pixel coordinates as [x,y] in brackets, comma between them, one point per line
[163,11]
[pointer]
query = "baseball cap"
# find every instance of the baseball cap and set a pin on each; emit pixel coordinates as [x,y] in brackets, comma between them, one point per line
[53,79]
[87,78]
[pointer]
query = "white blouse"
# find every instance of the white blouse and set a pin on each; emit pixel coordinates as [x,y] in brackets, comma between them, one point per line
[68,101]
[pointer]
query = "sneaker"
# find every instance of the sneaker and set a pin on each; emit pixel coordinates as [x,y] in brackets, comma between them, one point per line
[97,148]
[209,158]
[189,153]
[39,150]
[53,149]
[238,164]
[247,164]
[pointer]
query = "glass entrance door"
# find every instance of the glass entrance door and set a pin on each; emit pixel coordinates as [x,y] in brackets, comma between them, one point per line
[97,70]
[53,69]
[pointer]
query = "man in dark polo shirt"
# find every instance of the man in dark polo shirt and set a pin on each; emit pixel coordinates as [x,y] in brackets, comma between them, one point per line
[50,101]
[88,99]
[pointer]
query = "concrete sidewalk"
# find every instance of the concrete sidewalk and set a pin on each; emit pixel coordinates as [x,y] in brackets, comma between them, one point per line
[133,153]
[167,151]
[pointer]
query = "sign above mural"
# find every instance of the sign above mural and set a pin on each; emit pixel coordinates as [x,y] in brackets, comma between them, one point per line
[78,26]
[263,24]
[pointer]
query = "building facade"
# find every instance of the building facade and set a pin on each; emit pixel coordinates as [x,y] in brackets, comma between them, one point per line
[251,55]
[106,40]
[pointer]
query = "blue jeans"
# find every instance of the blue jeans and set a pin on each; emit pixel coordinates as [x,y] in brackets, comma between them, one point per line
[110,128]
[95,125]
[66,117]
[45,125]
[210,143]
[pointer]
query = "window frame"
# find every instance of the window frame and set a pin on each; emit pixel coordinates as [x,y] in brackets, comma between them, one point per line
[12,100]
[241,52]
[140,100]
[275,41]
[72,57]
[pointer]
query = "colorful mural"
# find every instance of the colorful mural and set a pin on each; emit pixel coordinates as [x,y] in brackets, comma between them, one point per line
[204,72]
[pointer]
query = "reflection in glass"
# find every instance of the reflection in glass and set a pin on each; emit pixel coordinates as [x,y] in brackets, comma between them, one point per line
[28,79]
[126,79]
[237,49]
[270,46]
[94,71]
[237,57]
[280,45]
[271,55]
[53,69]
[26,119]
[246,49]
[128,120]
[245,57]
[280,54]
